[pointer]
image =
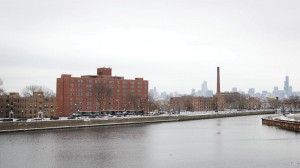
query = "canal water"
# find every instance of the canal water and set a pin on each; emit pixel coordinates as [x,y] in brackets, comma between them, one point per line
[238,142]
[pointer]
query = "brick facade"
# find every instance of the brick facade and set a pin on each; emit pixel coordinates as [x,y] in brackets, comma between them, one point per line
[27,107]
[192,103]
[101,93]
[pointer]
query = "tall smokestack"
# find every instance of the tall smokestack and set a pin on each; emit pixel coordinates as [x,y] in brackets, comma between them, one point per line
[218,80]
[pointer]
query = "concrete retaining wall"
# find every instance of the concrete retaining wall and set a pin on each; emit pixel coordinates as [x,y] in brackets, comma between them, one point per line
[45,125]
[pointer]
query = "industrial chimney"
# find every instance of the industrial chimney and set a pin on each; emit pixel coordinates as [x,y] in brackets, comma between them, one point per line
[218,81]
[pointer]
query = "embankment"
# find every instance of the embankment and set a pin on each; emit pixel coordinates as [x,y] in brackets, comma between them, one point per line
[62,124]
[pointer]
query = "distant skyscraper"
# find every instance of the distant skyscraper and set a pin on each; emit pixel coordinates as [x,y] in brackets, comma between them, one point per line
[234,89]
[286,85]
[275,89]
[193,92]
[251,92]
[290,90]
[204,89]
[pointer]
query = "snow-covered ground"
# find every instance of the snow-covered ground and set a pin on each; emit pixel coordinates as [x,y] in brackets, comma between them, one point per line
[185,113]
[287,117]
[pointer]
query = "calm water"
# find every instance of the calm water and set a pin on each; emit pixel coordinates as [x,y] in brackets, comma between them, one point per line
[240,142]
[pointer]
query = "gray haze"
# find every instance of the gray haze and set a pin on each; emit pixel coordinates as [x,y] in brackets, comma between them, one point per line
[176,45]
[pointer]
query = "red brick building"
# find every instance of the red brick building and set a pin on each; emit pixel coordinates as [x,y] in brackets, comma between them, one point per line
[101,93]
[192,103]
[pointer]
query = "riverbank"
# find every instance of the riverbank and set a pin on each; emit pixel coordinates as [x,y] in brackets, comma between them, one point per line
[78,123]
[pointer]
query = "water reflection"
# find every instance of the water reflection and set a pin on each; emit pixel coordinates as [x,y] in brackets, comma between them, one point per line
[227,142]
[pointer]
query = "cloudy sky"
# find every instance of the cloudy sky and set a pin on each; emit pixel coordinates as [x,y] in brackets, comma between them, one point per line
[175,44]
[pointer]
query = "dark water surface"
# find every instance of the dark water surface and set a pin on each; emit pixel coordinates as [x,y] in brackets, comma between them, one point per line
[239,142]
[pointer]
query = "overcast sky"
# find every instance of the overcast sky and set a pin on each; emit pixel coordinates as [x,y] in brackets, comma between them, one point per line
[175,44]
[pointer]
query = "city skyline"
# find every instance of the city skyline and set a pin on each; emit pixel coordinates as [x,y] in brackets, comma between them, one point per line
[174,45]
[281,93]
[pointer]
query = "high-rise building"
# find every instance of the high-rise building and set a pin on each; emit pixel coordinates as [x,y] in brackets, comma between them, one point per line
[101,93]
[251,92]
[275,90]
[193,92]
[286,85]
[204,89]
[234,89]
[288,90]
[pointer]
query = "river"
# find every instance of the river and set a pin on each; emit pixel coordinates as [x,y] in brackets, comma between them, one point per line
[237,142]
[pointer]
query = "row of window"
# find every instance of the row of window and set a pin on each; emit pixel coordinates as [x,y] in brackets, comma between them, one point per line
[107,108]
[24,100]
[110,86]
[104,81]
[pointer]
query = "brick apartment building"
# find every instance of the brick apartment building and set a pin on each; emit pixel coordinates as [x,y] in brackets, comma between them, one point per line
[101,93]
[15,106]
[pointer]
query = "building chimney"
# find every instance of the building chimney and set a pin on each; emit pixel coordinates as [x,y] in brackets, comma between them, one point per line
[218,80]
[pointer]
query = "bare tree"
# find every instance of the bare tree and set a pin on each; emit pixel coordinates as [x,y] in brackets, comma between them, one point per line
[2,92]
[242,102]
[28,91]
[135,102]
[187,103]
[101,92]
[152,105]
[293,102]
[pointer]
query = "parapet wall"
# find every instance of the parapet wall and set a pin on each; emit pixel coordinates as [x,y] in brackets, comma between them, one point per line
[60,124]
